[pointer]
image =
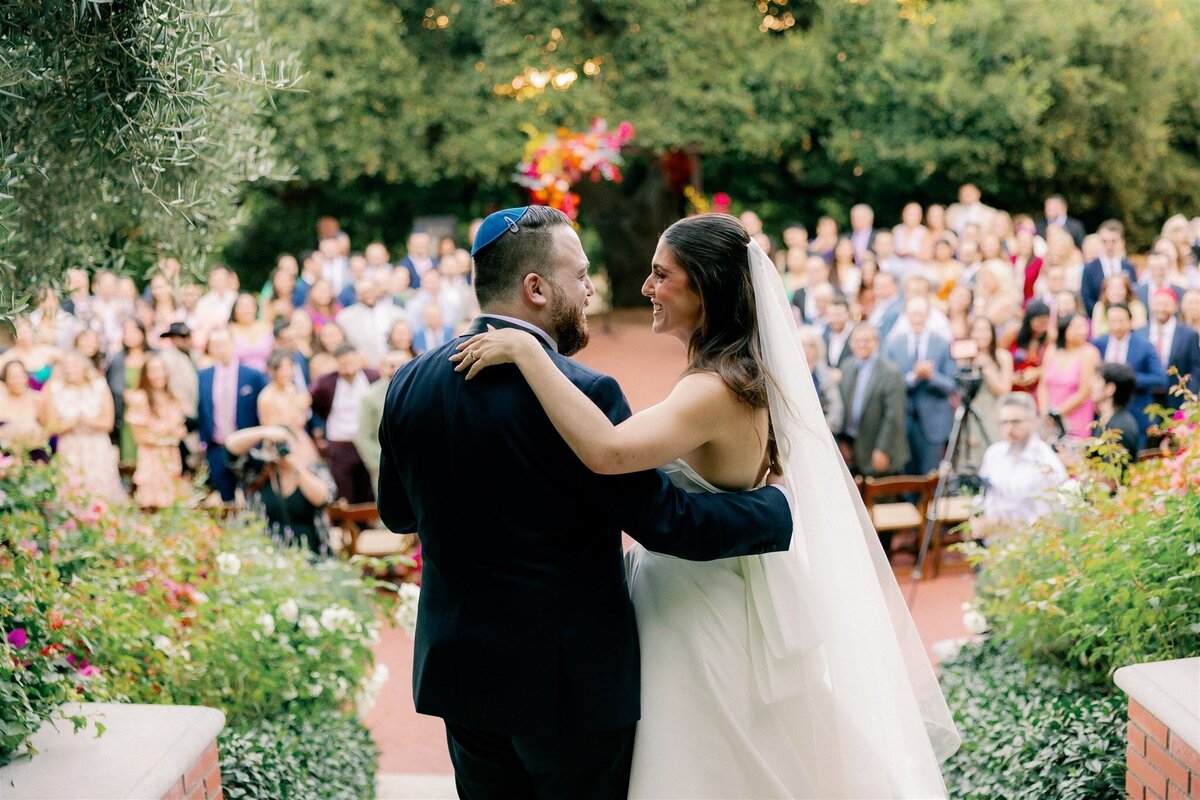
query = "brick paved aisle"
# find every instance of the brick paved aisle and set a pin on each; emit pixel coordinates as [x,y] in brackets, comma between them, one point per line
[647,367]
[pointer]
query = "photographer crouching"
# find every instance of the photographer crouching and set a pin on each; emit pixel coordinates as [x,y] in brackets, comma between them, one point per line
[283,477]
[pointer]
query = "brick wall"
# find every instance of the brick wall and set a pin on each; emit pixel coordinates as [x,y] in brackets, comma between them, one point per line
[1160,764]
[202,781]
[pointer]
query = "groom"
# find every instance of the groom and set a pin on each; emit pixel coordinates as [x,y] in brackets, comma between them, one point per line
[526,642]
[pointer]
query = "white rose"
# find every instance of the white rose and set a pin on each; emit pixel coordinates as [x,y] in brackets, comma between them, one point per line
[974,622]
[315,690]
[162,643]
[337,617]
[380,676]
[267,623]
[310,626]
[229,563]
[288,610]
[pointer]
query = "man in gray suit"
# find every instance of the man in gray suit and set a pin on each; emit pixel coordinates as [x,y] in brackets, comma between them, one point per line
[873,440]
[923,358]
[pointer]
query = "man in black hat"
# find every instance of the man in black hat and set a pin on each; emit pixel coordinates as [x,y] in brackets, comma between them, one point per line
[526,642]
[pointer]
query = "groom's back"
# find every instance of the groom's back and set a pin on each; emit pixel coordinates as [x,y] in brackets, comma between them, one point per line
[525,622]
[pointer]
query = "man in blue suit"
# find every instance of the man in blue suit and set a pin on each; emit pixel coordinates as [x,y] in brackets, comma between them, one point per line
[888,304]
[1176,344]
[923,358]
[1120,346]
[1112,261]
[526,641]
[228,402]
[1157,277]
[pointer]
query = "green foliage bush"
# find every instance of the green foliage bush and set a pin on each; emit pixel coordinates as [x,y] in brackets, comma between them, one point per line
[1030,730]
[109,603]
[321,757]
[1110,580]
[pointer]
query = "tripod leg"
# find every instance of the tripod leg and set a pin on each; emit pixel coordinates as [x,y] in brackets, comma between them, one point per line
[957,441]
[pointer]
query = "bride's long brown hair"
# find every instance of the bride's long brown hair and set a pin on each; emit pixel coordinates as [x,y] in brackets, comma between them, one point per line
[711,250]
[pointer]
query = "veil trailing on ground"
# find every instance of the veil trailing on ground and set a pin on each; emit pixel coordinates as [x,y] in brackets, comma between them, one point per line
[838,640]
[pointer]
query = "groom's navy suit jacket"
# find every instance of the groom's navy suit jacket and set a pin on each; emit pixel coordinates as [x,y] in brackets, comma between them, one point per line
[525,623]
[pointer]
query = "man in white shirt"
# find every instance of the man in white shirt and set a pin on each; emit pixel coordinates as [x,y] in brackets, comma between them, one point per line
[916,285]
[337,398]
[1020,470]
[368,321]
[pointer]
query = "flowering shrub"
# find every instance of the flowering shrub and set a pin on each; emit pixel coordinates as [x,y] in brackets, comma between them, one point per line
[1113,578]
[553,162]
[108,603]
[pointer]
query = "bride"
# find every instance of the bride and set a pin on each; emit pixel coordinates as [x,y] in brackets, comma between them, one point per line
[794,674]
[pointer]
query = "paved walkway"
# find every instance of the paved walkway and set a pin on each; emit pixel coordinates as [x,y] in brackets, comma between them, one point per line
[413,762]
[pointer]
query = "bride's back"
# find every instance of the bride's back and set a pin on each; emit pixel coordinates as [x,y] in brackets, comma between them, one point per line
[735,457]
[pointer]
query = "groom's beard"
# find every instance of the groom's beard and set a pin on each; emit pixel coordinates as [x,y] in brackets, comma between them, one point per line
[568,326]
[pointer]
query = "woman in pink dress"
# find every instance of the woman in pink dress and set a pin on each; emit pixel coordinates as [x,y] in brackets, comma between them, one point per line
[253,338]
[1067,370]
[321,305]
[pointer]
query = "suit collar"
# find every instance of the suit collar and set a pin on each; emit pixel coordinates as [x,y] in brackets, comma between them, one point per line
[480,323]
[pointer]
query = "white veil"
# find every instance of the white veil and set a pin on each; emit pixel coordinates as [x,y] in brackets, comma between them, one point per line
[838,644]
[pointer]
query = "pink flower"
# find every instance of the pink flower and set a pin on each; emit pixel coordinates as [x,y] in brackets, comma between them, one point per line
[94,512]
[90,671]
[17,638]
[29,547]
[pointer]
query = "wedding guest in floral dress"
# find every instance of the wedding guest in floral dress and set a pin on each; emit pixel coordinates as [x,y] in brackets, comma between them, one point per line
[79,409]
[157,419]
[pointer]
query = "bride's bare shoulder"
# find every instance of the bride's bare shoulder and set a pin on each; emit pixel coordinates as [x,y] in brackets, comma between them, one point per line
[707,389]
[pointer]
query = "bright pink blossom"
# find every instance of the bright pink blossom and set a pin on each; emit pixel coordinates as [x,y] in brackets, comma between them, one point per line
[17,638]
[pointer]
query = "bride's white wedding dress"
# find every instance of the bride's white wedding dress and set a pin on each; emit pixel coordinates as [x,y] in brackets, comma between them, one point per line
[796,674]
[705,732]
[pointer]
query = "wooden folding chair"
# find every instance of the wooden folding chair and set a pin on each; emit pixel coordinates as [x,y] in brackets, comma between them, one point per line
[949,513]
[356,530]
[1150,455]
[899,515]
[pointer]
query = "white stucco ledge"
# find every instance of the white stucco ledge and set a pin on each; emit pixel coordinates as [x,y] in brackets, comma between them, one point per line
[1170,690]
[142,754]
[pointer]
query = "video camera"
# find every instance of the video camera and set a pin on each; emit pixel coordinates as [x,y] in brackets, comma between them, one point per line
[969,378]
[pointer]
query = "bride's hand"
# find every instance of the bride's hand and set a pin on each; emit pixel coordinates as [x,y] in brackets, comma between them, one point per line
[497,346]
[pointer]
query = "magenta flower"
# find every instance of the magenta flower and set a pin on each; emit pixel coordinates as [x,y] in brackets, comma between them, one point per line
[17,638]
[90,671]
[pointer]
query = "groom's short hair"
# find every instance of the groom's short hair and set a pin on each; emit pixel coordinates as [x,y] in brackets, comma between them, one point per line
[500,267]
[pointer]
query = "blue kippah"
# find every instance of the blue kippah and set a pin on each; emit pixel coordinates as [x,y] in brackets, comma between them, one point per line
[496,225]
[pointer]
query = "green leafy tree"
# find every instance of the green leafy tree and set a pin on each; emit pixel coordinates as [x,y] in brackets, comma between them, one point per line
[796,108]
[128,130]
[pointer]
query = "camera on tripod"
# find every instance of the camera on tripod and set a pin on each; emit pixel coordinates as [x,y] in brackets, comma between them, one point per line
[969,378]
